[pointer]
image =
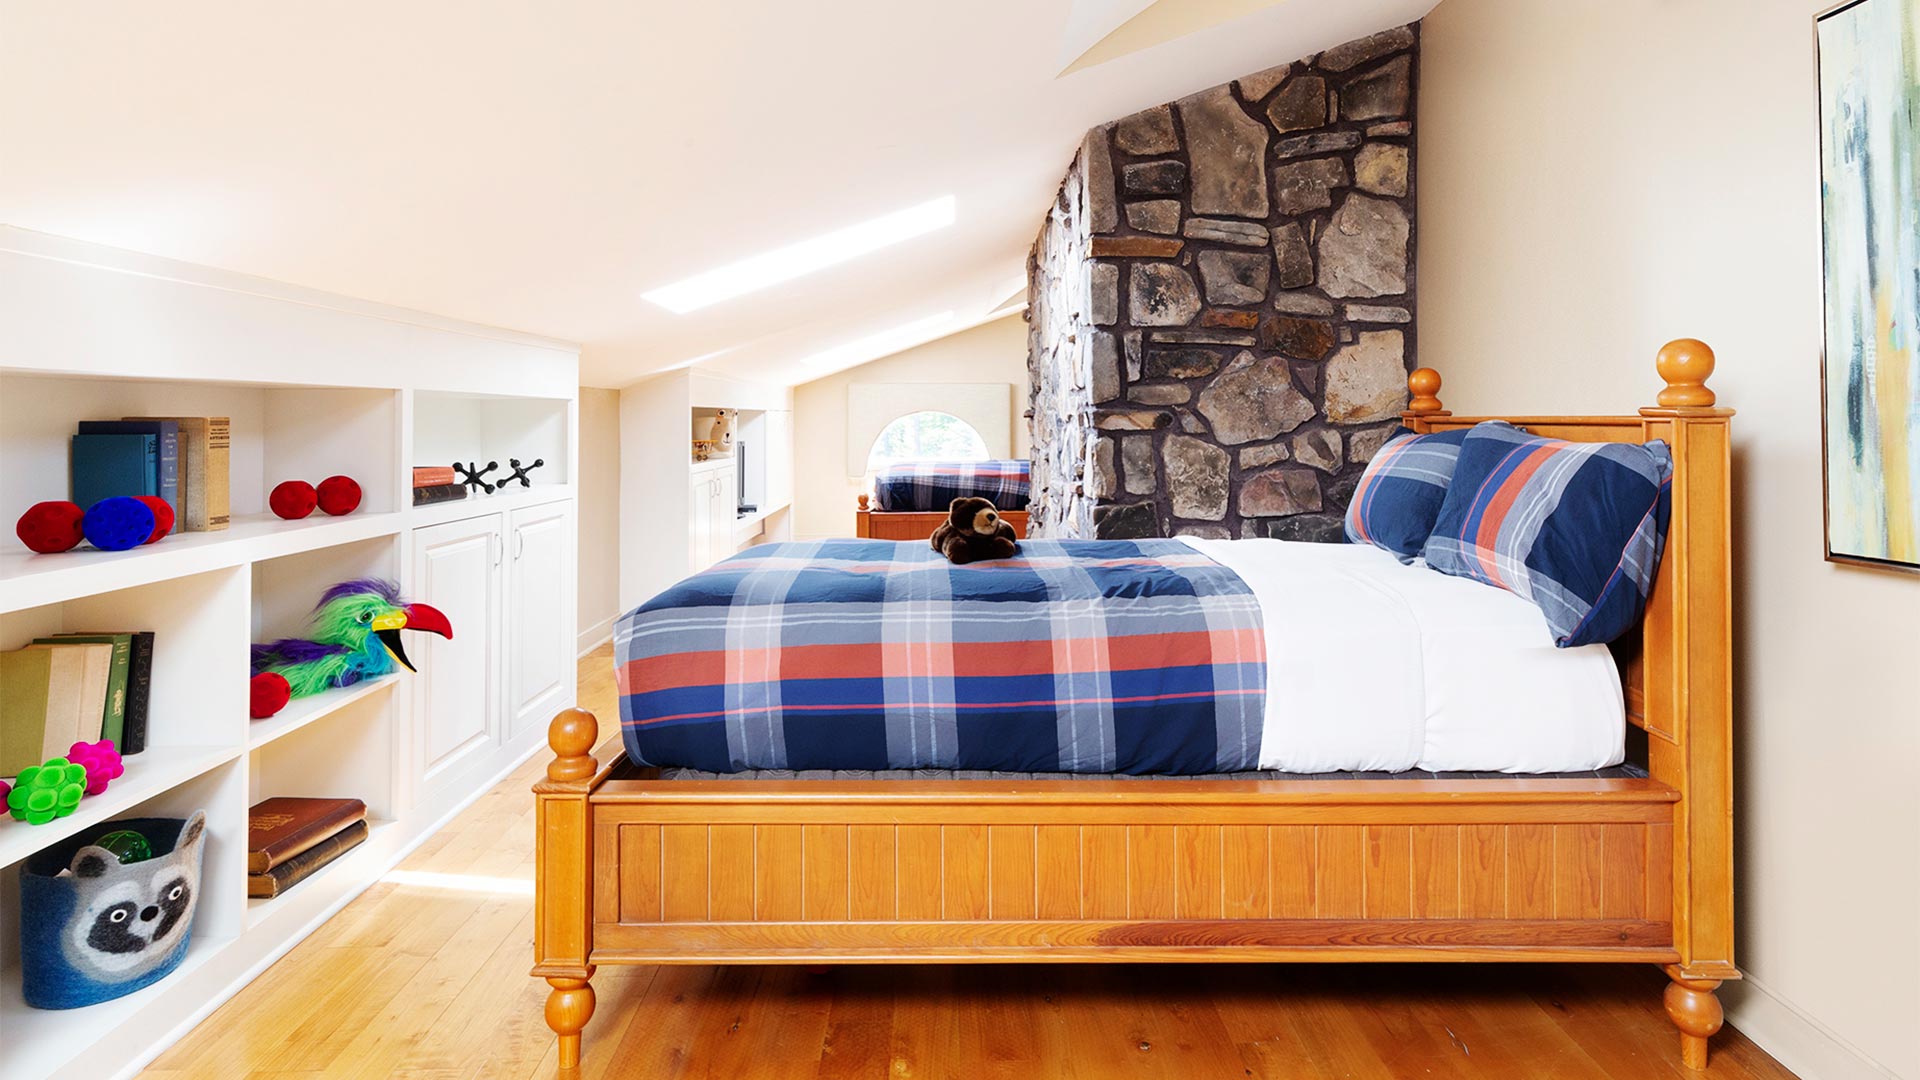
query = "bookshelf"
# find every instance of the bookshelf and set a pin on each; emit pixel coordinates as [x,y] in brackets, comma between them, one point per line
[353,388]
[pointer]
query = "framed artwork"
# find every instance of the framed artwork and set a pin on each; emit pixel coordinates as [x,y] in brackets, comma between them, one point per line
[1869,77]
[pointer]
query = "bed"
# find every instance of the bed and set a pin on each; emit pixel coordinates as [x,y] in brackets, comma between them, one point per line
[801,860]
[909,501]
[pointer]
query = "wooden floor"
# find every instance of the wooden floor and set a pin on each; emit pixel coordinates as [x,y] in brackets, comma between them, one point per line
[425,976]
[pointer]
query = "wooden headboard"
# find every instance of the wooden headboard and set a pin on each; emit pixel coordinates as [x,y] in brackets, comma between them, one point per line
[1678,676]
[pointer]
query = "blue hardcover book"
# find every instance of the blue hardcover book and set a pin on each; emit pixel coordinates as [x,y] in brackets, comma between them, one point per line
[105,466]
[168,434]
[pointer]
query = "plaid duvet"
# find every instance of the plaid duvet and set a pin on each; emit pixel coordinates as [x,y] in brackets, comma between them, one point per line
[1075,656]
[933,485]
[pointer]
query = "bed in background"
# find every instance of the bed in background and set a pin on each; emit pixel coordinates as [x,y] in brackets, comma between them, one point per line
[636,869]
[909,501]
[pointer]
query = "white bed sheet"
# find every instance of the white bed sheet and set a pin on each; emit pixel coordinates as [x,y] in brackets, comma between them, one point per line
[1377,665]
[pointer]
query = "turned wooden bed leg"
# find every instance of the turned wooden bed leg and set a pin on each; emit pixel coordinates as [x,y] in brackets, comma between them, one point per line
[563,880]
[1694,1009]
[569,1007]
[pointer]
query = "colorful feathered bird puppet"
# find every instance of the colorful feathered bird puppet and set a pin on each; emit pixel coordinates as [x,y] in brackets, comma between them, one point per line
[353,634]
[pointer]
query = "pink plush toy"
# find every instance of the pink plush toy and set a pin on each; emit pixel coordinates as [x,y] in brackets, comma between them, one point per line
[100,759]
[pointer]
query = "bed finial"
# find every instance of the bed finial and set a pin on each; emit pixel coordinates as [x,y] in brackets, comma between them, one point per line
[863,500]
[1425,384]
[572,735]
[1685,364]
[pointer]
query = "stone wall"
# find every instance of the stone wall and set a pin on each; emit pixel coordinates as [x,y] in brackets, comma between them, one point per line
[1060,273]
[1224,291]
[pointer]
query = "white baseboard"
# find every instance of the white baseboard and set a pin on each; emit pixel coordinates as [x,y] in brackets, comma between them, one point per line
[1794,1039]
[597,635]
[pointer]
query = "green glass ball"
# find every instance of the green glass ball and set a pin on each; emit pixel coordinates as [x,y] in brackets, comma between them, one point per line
[127,846]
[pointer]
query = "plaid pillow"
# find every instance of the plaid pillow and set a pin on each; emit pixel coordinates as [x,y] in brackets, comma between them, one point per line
[1400,493]
[1574,527]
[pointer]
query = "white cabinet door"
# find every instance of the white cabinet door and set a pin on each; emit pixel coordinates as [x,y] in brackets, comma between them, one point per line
[726,512]
[540,623]
[457,569]
[699,522]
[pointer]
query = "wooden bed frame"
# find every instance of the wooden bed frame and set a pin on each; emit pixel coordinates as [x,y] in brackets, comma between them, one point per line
[645,871]
[915,524]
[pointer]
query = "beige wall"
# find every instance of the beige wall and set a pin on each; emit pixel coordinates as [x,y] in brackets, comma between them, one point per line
[823,493]
[1597,177]
[599,517]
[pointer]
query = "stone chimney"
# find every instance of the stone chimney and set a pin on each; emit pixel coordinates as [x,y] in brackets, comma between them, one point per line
[1222,304]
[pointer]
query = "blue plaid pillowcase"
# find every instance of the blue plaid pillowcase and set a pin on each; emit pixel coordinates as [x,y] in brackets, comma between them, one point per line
[1576,528]
[1400,493]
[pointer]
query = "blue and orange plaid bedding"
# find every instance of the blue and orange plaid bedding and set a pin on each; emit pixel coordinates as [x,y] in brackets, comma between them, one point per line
[1095,656]
[933,485]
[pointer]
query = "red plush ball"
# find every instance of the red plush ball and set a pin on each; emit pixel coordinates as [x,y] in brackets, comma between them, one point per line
[293,499]
[339,495]
[267,694]
[51,527]
[162,515]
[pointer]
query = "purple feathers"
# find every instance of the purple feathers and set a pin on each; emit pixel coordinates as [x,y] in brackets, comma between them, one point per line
[291,651]
[386,590]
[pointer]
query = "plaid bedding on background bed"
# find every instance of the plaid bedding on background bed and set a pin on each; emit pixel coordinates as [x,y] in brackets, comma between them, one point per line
[1104,656]
[933,485]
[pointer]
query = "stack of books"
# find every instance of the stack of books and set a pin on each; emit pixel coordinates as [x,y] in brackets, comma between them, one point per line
[182,459]
[435,484]
[72,688]
[289,838]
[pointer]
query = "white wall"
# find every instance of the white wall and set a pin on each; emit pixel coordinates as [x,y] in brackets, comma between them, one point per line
[824,495]
[1597,177]
[598,495]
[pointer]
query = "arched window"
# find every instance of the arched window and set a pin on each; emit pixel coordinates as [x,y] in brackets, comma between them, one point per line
[926,436]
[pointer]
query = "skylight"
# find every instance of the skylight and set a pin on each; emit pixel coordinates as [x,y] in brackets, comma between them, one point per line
[805,257]
[874,346]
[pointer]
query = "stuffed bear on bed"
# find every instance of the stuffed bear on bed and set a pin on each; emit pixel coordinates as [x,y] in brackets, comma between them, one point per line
[973,531]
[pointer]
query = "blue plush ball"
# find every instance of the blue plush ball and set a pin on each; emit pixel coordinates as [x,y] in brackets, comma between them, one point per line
[117,524]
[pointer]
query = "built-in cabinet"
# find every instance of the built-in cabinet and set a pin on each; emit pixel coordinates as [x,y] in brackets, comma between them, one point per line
[679,515]
[540,630]
[94,334]
[457,568]
[713,511]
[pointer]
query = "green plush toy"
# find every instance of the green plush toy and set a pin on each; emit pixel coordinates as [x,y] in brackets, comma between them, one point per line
[47,791]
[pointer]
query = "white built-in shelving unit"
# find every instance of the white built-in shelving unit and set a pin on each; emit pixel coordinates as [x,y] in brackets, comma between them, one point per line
[674,526]
[315,385]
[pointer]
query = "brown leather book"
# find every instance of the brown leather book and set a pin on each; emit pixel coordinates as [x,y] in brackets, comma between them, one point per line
[295,870]
[280,828]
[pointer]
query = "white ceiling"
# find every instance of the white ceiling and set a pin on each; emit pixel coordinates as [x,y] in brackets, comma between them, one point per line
[538,166]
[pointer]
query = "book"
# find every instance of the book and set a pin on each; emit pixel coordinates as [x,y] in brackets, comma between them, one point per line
[168,446]
[432,475]
[438,493]
[297,869]
[113,721]
[44,705]
[205,443]
[280,828]
[139,691]
[105,466]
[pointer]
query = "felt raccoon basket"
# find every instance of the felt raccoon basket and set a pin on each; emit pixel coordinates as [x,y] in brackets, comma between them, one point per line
[108,929]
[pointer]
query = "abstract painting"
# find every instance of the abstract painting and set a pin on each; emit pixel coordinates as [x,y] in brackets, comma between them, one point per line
[1869,60]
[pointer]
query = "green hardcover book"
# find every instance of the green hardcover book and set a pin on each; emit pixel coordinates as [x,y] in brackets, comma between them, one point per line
[25,676]
[113,719]
[50,698]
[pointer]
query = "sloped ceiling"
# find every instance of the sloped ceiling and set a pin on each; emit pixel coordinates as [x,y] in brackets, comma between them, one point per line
[539,166]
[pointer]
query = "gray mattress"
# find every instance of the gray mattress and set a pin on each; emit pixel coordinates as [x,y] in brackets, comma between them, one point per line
[1618,772]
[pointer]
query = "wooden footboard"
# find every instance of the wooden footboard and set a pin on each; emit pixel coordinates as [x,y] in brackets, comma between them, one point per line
[915,525]
[965,871]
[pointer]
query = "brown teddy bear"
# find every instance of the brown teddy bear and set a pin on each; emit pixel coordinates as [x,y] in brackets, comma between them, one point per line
[973,531]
